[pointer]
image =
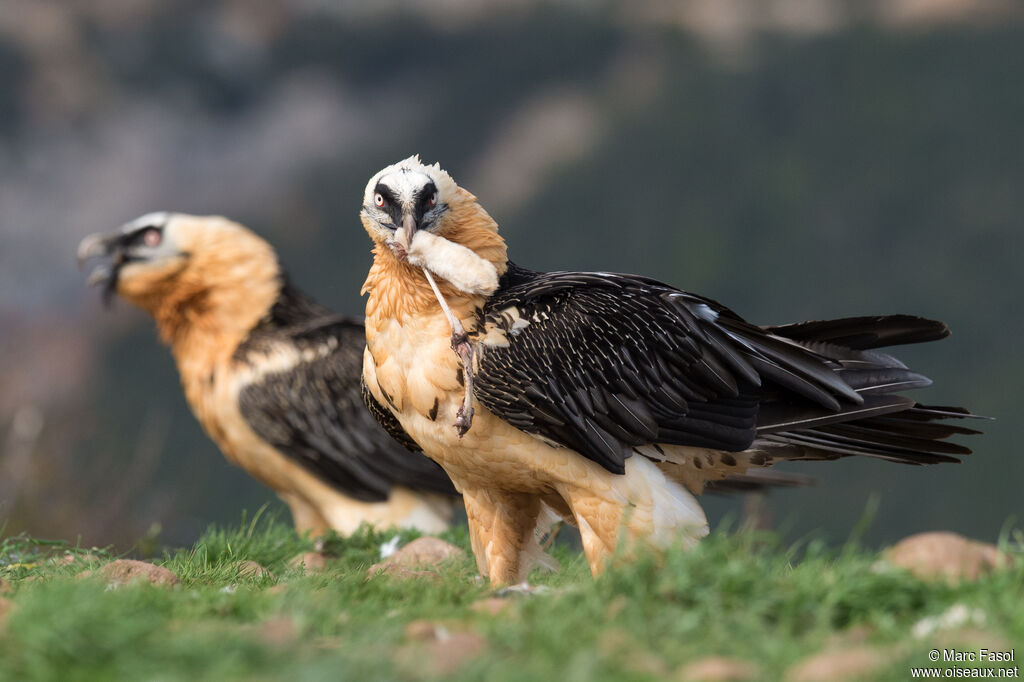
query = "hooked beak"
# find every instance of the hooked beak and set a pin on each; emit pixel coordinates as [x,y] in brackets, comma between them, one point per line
[408,227]
[105,273]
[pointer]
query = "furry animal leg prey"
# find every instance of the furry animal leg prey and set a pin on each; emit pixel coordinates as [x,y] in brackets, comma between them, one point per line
[398,248]
[461,345]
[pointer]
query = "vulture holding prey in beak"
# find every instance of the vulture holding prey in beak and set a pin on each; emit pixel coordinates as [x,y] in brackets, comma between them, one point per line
[610,399]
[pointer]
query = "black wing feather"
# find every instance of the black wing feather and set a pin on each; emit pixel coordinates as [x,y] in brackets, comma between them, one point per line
[314,412]
[608,362]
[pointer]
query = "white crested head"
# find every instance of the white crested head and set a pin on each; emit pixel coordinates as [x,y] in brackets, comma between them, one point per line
[156,219]
[407,194]
[409,176]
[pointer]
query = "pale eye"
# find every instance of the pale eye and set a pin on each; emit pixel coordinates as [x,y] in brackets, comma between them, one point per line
[152,237]
[378,199]
[433,200]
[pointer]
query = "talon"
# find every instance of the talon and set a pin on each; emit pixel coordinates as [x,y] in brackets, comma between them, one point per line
[458,339]
[463,420]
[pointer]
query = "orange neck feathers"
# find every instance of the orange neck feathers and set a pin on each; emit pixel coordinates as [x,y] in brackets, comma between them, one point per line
[399,291]
[207,303]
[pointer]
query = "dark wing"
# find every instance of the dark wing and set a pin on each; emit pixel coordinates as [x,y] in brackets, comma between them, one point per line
[603,363]
[314,413]
[387,420]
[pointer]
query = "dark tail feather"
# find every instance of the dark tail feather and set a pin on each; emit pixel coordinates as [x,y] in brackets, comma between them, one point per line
[756,479]
[864,333]
[916,435]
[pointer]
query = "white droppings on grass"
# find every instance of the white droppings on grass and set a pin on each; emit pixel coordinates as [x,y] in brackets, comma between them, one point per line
[229,589]
[955,616]
[389,547]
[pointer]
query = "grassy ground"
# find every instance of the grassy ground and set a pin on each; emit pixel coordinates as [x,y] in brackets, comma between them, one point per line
[738,594]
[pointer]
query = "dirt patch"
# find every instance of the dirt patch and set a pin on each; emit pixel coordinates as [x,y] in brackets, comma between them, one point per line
[855,663]
[717,669]
[491,606]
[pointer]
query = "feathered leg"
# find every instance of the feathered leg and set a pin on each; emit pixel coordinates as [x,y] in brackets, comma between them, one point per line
[501,526]
[305,516]
[598,521]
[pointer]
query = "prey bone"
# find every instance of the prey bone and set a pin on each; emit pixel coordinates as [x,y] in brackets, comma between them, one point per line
[467,272]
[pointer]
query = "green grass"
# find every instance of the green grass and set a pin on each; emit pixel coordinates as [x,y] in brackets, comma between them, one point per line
[738,594]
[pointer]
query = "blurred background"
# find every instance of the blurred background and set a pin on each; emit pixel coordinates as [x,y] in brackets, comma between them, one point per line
[794,159]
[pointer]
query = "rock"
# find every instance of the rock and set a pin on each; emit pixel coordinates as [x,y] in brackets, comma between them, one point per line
[838,665]
[439,649]
[124,571]
[717,669]
[490,605]
[945,556]
[419,554]
[446,656]
[310,561]
[425,552]
[251,569]
[278,631]
[423,630]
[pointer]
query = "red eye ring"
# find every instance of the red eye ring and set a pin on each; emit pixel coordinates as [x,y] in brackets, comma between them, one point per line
[152,237]
[378,199]
[433,200]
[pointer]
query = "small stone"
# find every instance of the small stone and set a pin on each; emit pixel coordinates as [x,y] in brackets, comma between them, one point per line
[490,605]
[421,553]
[425,552]
[438,648]
[422,630]
[311,562]
[945,556]
[447,655]
[251,569]
[278,631]
[717,669]
[839,665]
[124,571]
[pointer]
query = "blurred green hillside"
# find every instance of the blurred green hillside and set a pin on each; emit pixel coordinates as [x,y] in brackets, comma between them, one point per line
[861,168]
